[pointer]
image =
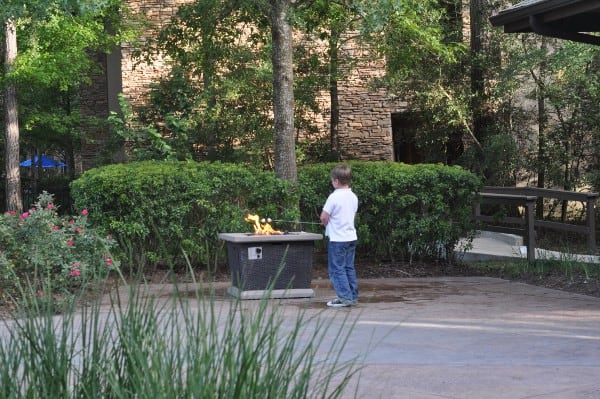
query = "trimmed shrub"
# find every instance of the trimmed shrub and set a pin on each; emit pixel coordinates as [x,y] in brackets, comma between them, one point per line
[405,211]
[162,210]
[166,211]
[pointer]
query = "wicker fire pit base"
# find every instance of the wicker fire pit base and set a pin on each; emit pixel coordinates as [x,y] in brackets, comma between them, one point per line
[273,266]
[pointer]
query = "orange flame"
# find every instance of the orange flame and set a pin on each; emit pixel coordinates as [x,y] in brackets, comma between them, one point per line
[261,226]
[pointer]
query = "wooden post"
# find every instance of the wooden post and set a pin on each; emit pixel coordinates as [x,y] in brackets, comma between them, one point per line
[530,227]
[591,224]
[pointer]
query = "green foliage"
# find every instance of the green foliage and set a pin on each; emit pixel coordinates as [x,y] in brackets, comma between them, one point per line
[58,42]
[422,22]
[554,139]
[574,101]
[143,142]
[498,160]
[163,210]
[405,211]
[216,101]
[425,57]
[52,256]
[54,47]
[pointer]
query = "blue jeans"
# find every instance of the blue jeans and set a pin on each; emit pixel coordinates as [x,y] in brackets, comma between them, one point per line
[340,265]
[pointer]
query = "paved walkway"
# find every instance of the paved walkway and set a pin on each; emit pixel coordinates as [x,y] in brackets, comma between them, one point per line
[460,337]
[474,338]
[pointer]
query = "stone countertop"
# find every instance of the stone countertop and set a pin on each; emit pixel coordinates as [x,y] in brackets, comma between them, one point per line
[260,238]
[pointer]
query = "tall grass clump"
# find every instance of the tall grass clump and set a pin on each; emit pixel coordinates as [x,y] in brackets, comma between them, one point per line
[181,347]
[569,264]
[573,267]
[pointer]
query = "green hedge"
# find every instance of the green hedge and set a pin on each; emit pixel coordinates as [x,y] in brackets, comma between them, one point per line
[158,209]
[405,211]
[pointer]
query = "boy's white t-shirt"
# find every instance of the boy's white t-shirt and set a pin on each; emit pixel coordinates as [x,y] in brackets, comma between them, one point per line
[341,205]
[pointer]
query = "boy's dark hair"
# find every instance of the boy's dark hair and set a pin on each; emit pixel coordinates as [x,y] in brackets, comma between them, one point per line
[342,173]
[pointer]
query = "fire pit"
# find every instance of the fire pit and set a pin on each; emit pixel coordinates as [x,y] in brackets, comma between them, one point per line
[279,261]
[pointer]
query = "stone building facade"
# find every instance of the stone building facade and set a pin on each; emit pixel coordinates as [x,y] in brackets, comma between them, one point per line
[365,124]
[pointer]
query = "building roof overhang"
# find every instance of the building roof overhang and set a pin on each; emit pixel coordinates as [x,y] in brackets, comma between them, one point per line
[575,20]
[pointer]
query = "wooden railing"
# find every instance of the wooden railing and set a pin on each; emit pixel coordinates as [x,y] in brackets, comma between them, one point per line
[526,224]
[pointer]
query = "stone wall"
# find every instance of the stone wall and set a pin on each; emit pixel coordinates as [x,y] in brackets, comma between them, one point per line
[137,76]
[365,128]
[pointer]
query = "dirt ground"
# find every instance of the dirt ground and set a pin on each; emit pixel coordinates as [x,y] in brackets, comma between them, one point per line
[574,281]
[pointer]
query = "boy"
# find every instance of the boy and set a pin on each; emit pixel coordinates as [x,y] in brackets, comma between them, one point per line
[338,218]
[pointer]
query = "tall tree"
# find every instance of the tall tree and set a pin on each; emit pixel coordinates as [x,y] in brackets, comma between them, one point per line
[11,12]
[211,50]
[335,22]
[283,89]
[477,12]
[14,201]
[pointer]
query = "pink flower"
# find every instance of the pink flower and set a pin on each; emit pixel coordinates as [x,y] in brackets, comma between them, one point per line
[70,243]
[108,262]
[74,273]
[50,206]
[71,222]
[25,215]
[40,293]
[84,212]
[55,227]
[79,230]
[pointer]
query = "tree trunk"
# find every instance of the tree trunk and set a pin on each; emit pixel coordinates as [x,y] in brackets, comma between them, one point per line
[14,201]
[477,80]
[208,74]
[283,90]
[334,73]
[542,131]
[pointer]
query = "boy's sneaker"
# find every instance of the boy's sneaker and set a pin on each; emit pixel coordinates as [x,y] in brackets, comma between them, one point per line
[338,303]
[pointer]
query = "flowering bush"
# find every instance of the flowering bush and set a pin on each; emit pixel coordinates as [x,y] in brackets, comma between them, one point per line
[51,256]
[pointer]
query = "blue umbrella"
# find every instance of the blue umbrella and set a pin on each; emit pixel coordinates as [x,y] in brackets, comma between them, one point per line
[47,162]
